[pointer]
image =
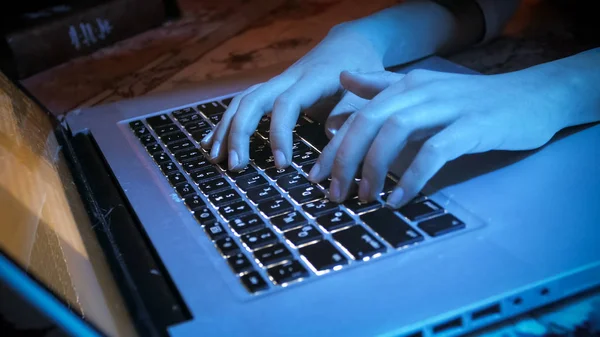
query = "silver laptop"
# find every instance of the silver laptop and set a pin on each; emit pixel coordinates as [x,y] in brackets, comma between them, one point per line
[200,251]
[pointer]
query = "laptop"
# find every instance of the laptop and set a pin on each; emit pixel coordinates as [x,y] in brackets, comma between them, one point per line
[136,233]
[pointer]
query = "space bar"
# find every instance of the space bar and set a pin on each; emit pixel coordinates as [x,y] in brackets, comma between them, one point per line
[313,134]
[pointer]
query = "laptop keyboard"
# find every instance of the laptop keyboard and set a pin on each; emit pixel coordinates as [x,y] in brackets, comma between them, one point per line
[273,226]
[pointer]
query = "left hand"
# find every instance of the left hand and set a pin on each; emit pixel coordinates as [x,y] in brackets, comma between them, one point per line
[459,114]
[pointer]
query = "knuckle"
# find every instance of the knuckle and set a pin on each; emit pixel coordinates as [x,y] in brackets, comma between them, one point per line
[399,121]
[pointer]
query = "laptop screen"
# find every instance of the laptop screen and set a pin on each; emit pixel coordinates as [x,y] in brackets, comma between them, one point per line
[44,226]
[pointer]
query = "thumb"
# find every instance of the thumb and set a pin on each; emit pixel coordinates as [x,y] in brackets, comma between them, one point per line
[368,85]
[348,104]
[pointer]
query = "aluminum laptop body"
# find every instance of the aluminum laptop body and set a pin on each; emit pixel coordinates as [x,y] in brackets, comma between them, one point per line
[530,237]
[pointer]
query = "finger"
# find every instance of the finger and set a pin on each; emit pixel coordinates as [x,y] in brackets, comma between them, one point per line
[251,109]
[348,104]
[397,130]
[457,139]
[361,133]
[286,110]
[216,140]
[368,85]
[327,156]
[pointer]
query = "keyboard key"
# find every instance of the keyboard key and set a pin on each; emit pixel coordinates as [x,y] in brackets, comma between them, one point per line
[325,183]
[194,202]
[305,157]
[224,197]
[358,242]
[416,211]
[204,175]
[253,282]
[215,231]
[199,135]
[441,225]
[357,207]
[168,167]
[290,181]
[173,137]
[259,238]
[140,132]
[190,119]
[196,126]
[195,164]
[306,168]
[211,108]
[305,194]
[246,224]
[227,246]
[302,235]
[250,181]
[275,173]
[182,112]
[204,216]
[335,220]
[287,272]
[275,207]
[289,220]
[165,129]
[388,185]
[323,255]
[272,254]
[239,263]
[180,146]
[314,134]
[264,161]
[184,156]
[184,190]
[147,140]
[227,101]
[136,125]
[161,158]
[154,148]
[391,228]
[158,121]
[235,210]
[237,174]
[320,207]
[299,146]
[213,185]
[262,193]
[176,178]
[215,119]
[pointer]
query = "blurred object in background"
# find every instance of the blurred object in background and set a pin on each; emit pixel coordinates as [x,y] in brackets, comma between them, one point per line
[37,35]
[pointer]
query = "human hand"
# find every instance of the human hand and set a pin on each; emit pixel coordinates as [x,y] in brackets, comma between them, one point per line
[457,114]
[313,77]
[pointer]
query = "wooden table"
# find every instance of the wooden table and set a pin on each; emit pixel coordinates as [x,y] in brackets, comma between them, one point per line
[215,39]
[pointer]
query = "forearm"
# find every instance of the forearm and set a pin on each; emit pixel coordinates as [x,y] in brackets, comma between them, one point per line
[415,29]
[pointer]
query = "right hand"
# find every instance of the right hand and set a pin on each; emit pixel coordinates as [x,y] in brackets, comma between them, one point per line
[312,78]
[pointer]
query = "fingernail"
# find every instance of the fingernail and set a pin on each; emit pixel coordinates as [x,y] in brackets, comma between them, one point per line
[214,152]
[314,171]
[395,197]
[334,190]
[234,160]
[206,138]
[279,159]
[364,190]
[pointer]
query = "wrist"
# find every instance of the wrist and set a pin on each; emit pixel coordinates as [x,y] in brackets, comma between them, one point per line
[575,81]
